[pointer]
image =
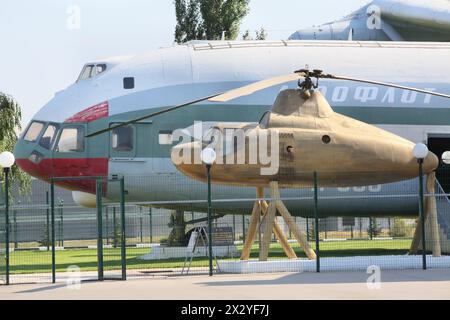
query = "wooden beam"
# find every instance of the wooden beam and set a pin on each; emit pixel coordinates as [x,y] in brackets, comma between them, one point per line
[299,236]
[254,222]
[416,238]
[290,253]
[270,221]
[432,215]
[279,234]
[430,208]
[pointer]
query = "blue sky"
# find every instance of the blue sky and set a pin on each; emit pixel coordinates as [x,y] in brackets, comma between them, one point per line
[41,54]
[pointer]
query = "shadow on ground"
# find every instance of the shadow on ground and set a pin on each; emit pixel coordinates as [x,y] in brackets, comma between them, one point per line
[337,277]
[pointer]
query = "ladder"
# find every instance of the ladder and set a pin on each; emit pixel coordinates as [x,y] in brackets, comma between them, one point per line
[199,233]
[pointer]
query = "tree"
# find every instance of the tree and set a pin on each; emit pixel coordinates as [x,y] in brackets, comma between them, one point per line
[246,36]
[10,116]
[188,20]
[261,34]
[209,19]
[398,230]
[45,241]
[374,229]
[177,236]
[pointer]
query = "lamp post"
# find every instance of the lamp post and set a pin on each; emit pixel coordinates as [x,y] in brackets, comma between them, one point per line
[420,151]
[6,162]
[208,157]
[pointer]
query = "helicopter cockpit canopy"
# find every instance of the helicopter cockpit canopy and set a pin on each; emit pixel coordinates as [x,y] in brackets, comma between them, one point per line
[264,121]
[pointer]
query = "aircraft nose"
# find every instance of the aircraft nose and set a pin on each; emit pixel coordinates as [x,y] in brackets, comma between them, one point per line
[30,160]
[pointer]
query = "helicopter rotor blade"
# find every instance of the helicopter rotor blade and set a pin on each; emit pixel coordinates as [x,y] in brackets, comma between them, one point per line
[330,76]
[257,86]
[151,115]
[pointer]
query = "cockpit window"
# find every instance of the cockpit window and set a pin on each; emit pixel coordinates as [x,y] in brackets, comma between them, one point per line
[165,137]
[71,140]
[48,137]
[100,68]
[86,73]
[33,131]
[91,70]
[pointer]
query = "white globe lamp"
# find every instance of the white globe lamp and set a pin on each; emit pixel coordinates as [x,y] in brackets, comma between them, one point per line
[208,156]
[446,157]
[420,151]
[6,159]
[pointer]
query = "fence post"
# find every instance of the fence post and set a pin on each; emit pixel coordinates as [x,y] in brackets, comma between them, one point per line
[243,228]
[316,221]
[234,227]
[99,229]
[16,245]
[123,229]
[141,223]
[114,228]
[107,224]
[307,229]
[52,212]
[47,202]
[61,219]
[151,224]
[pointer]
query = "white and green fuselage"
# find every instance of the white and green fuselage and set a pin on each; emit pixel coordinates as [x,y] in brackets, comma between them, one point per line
[134,86]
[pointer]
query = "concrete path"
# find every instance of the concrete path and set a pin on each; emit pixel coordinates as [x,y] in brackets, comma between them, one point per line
[411,284]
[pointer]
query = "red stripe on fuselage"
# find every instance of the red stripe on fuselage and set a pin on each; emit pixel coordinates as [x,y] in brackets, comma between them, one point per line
[96,112]
[68,167]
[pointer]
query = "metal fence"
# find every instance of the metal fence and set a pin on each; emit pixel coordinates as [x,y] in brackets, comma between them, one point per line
[50,236]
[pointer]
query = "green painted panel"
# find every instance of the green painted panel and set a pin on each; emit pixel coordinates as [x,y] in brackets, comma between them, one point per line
[148,144]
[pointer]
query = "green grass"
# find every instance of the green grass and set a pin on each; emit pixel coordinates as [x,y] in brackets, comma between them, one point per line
[26,262]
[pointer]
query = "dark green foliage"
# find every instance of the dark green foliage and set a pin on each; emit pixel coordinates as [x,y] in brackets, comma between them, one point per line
[45,240]
[188,20]
[10,116]
[311,231]
[209,19]
[374,229]
[398,229]
[177,236]
[260,34]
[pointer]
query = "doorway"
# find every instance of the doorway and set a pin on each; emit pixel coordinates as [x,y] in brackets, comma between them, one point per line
[438,145]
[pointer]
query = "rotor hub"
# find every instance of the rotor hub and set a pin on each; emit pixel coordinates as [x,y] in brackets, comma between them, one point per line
[308,83]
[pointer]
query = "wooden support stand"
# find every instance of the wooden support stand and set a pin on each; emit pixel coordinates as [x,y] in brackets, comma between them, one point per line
[268,213]
[431,217]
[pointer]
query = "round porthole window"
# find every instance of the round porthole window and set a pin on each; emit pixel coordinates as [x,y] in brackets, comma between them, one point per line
[326,139]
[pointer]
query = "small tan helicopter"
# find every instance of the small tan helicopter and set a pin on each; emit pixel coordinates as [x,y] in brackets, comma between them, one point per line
[311,137]
[307,136]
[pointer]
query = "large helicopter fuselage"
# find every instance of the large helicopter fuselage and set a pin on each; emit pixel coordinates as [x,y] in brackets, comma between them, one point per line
[170,76]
